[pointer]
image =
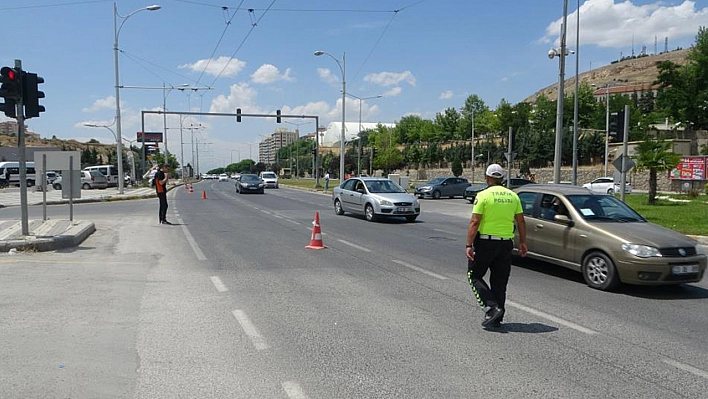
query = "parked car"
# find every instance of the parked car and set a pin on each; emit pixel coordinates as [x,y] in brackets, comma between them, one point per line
[90,179]
[606,185]
[442,187]
[51,176]
[605,239]
[471,192]
[270,179]
[250,184]
[374,198]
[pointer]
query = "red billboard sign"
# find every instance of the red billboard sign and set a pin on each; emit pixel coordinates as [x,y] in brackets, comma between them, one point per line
[690,168]
[150,137]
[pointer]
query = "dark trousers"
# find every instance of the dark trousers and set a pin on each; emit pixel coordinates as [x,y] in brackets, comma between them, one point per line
[495,256]
[163,205]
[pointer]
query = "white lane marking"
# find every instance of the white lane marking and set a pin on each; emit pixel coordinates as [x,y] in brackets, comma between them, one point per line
[266,212]
[190,240]
[686,367]
[250,330]
[419,269]
[554,319]
[275,215]
[218,284]
[445,231]
[293,221]
[359,247]
[293,390]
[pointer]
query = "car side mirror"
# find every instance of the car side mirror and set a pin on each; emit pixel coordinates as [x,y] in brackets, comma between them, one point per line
[564,220]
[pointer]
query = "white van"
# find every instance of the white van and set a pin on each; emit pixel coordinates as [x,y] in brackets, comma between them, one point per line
[110,171]
[14,169]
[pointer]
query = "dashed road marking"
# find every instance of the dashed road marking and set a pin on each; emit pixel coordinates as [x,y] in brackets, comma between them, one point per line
[359,247]
[250,330]
[686,367]
[293,390]
[420,269]
[218,284]
[554,319]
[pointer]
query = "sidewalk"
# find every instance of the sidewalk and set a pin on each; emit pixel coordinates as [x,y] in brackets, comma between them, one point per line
[50,235]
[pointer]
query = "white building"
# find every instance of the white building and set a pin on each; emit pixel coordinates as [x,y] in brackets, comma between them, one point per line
[330,137]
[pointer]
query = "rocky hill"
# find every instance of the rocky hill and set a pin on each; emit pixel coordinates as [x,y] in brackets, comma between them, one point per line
[35,140]
[635,71]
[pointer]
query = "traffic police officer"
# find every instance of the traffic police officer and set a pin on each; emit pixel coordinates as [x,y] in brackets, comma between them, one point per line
[490,243]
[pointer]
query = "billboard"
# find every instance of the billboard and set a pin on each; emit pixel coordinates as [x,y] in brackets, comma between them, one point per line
[150,137]
[690,168]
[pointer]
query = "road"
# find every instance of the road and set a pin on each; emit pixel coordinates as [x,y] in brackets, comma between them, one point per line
[228,303]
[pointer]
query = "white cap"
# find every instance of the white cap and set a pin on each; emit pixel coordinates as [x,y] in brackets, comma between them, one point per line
[495,170]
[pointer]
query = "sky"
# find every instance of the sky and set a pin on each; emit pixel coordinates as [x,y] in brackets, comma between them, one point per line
[420,56]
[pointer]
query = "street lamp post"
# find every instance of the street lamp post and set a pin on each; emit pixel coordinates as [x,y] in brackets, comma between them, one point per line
[116,30]
[560,53]
[575,107]
[342,68]
[358,161]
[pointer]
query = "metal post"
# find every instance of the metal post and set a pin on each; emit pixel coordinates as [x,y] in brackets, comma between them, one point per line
[70,180]
[607,126]
[181,148]
[557,159]
[22,155]
[344,97]
[472,162]
[317,152]
[625,145]
[358,160]
[119,145]
[142,139]
[164,120]
[575,113]
[44,187]
[510,159]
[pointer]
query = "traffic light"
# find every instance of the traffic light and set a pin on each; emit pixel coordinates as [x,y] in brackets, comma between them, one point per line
[277,118]
[11,90]
[31,94]
[373,152]
[313,151]
[617,126]
[238,114]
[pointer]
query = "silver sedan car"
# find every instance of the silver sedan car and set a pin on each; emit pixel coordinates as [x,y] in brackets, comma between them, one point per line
[374,198]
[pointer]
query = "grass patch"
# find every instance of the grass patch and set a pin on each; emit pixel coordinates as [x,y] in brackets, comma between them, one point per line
[687,217]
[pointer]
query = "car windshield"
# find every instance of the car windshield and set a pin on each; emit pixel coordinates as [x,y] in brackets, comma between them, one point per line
[604,208]
[249,178]
[269,175]
[436,180]
[383,186]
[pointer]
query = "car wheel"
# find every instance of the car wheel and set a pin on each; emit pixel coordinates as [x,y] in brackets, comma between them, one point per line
[338,208]
[599,271]
[56,186]
[369,213]
[411,219]
[610,191]
[436,194]
[30,183]
[86,186]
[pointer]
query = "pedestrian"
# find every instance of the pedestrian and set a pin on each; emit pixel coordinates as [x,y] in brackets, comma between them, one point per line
[490,243]
[161,177]
[326,179]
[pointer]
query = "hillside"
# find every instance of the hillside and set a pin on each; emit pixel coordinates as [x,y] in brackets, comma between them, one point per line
[624,73]
[33,140]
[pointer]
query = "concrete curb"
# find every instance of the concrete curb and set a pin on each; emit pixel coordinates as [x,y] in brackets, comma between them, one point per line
[74,236]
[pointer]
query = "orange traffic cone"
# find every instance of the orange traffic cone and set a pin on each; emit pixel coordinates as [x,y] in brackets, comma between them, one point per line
[204,194]
[316,239]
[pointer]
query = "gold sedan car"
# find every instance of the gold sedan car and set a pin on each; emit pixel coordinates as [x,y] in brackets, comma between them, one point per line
[605,239]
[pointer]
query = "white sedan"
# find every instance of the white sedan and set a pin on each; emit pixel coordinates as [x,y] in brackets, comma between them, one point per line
[606,185]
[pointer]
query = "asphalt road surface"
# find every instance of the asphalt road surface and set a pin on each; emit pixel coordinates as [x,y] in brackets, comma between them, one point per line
[228,303]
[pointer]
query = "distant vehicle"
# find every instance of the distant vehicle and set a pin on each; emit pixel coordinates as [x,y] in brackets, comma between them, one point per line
[442,187]
[374,198]
[471,192]
[606,185]
[110,171]
[90,179]
[14,169]
[51,176]
[223,177]
[270,179]
[286,173]
[604,239]
[250,184]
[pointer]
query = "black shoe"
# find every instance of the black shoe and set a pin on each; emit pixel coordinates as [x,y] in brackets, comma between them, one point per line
[492,316]
[166,222]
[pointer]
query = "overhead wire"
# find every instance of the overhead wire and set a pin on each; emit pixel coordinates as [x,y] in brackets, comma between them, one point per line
[218,43]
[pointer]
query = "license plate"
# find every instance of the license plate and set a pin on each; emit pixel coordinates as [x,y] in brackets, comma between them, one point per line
[684,269]
[403,210]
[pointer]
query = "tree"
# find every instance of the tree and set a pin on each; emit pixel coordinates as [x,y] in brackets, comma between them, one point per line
[456,167]
[654,154]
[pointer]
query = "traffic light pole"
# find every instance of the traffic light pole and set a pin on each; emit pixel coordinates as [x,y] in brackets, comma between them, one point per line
[23,157]
[625,145]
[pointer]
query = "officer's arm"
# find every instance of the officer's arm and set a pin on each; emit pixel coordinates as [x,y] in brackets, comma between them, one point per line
[475,220]
[521,226]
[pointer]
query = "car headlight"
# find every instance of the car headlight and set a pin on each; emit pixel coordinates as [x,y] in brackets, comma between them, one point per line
[426,188]
[700,250]
[385,202]
[642,251]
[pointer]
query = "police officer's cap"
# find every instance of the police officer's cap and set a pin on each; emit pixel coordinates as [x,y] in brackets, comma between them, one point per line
[495,170]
